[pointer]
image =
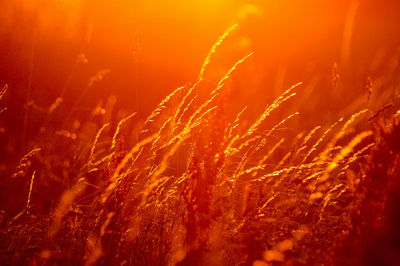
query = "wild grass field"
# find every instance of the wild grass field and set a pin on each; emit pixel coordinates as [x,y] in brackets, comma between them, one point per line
[312,178]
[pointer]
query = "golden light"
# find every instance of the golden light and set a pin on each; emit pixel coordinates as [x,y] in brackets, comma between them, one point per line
[199,132]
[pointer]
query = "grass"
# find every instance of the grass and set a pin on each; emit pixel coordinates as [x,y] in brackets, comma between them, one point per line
[199,186]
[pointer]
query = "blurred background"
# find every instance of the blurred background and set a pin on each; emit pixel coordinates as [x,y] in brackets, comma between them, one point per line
[131,54]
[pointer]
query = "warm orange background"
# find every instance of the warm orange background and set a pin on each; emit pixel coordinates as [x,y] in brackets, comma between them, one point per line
[153,46]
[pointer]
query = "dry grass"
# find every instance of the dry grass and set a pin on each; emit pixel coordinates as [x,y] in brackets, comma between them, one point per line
[199,187]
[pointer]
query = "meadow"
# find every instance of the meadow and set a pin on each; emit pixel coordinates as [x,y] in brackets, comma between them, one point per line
[311,178]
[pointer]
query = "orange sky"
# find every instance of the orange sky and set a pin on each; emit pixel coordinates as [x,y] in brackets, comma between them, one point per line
[153,46]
